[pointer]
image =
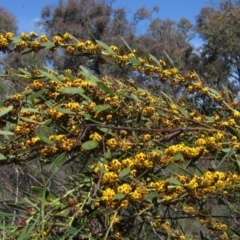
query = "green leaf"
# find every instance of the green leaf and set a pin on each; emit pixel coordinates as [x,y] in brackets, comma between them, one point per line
[2,157]
[39,192]
[185,170]
[161,113]
[105,47]
[226,91]
[67,74]
[72,90]
[47,122]
[38,94]
[29,120]
[6,133]
[30,110]
[29,50]
[139,117]
[173,181]
[64,110]
[170,60]
[135,137]
[154,59]
[229,152]
[177,157]
[235,231]
[119,196]
[15,39]
[150,196]
[134,97]
[24,71]
[126,44]
[105,88]
[182,111]
[134,61]
[50,76]
[209,119]
[47,45]
[99,108]
[167,97]
[44,138]
[89,76]
[232,131]
[89,145]
[108,154]
[59,160]
[17,206]
[6,110]
[214,92]
[124,172]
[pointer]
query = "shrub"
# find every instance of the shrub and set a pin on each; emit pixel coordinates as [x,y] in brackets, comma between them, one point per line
[133,164]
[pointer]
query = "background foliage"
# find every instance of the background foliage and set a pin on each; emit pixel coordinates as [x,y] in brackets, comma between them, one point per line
[90,153]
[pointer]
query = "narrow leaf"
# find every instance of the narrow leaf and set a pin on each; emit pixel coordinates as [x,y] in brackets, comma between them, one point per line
[119,196]
[47,44]
[6,133]
[124,172]
[100,108]
[64,110]
[44,138]
[89,76]
[2,157]
[50,76]
[173,181]
[6,110]
[126,44]
[105,47]
[58,161]
[89,145]
[71,90]
[177,157]
[182,111]
[105,88]
[150,196]
[38,94]
[39,192]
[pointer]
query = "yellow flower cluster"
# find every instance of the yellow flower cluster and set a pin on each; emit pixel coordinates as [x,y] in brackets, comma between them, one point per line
[139,193]
[109,177]
[124,188]
[186,151]
[65,143]
[96,137]
[214,224]
[4,41]
[108,195]
[211,141]
[112,143]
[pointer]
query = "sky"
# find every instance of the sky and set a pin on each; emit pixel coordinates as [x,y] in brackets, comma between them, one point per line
[28,11]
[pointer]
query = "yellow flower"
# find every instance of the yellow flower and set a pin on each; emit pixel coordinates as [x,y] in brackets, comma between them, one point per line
[124,203]
[24,36]
[57,40]
[8,35]
[124,188]
[96,137]
[146,137]
[112,143]
[109,177]
[108,195]
[43,38]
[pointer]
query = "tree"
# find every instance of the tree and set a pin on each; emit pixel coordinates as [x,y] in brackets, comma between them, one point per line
[219,27]
[8,22]
[98,20]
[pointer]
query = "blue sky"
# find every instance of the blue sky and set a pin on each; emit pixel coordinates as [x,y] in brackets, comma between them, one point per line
[28,11]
